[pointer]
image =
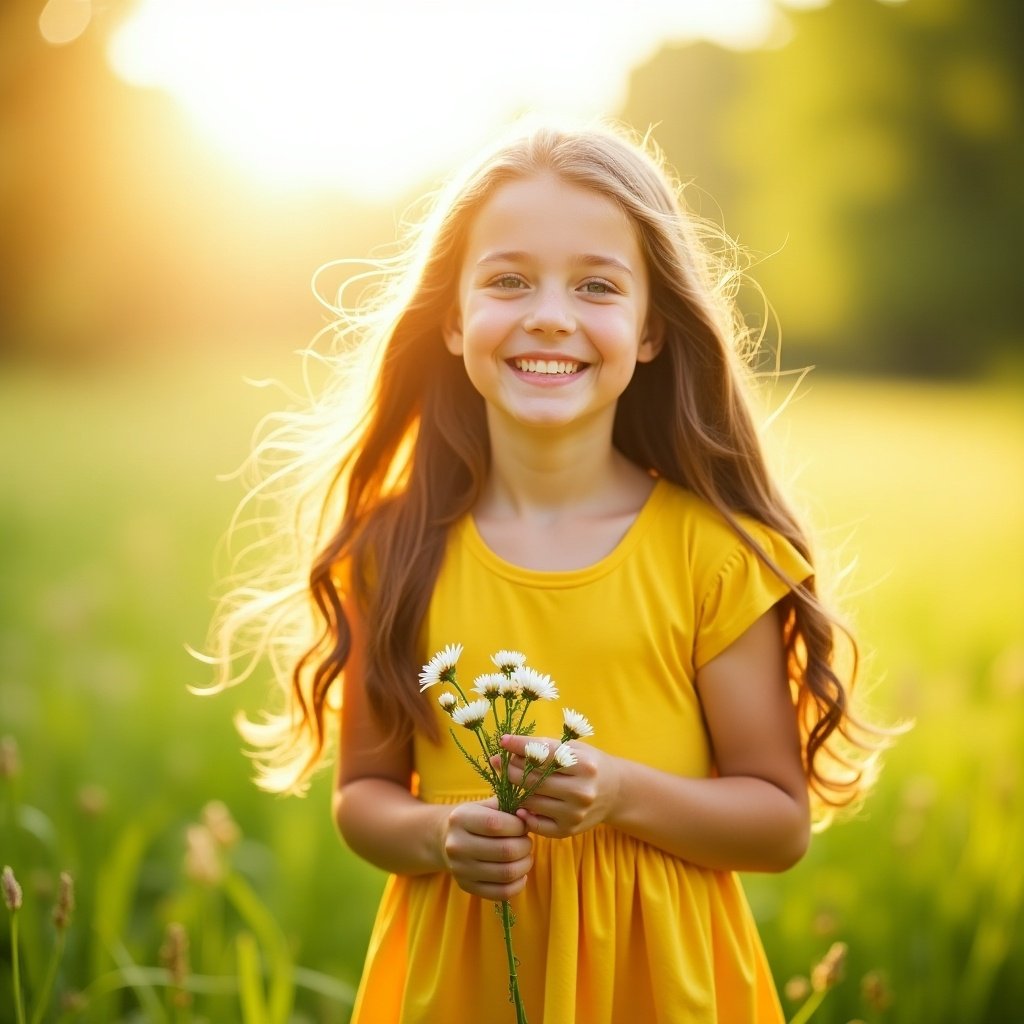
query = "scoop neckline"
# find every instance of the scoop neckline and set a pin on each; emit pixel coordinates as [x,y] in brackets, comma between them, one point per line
[567,577]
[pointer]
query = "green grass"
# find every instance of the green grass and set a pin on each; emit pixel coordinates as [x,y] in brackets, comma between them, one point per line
[109,517]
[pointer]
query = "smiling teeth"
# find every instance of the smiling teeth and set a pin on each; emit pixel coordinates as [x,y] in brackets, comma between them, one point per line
[546,366]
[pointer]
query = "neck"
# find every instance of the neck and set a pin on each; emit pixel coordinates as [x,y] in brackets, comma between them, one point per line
[545,473]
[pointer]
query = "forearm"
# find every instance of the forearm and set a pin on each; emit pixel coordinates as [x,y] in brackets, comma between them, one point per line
[738,823]
[386,825]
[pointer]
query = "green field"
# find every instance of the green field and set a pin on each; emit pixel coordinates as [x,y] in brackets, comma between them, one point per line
[109,517]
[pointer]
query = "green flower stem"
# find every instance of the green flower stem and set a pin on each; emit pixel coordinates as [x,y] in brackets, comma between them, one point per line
[19,1001]
[527,793]
[43,998]
[522,716]
[451,679]
[513,977]
[479,733]
[806,1011]
[494,711]
[487,770]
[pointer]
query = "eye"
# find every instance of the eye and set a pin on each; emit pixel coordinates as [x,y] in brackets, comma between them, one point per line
[597,286]
[507,281]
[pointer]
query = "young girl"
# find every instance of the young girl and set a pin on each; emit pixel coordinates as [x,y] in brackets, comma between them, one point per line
[557,456]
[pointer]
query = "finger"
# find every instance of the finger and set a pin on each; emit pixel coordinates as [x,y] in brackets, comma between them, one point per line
[516,744]
[486,820]
[546,807]
[539,824]
[495,892]
[500,851]
[495,824]
[473,874]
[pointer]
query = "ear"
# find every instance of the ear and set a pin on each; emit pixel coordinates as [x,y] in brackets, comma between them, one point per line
[652,340]
[452,331]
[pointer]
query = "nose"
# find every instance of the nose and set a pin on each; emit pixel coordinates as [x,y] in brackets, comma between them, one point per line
[549,314]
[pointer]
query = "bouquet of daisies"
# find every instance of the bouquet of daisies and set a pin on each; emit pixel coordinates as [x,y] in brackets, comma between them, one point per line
[500,708]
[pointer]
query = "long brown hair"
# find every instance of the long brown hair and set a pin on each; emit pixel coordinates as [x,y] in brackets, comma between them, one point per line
[415,463]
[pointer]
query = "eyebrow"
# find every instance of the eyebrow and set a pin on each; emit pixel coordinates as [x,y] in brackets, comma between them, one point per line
[586,260]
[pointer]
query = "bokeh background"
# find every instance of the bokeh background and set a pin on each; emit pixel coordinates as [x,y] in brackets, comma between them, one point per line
[171,176]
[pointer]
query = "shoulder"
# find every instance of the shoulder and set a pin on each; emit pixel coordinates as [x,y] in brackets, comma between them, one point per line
[711,543]
[695,521]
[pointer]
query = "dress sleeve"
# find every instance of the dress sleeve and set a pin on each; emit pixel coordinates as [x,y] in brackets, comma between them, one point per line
[743,589]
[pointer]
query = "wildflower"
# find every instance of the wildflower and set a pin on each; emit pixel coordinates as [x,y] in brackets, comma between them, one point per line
[564,756]
[829,970]
[519,687]
[217,818]
[509,687]
[826,923]
[508,661]
[10,760]
[490,685]
[797,988]
[574,725]
[471,715]
[93,800]
[12,891]
[534,685]
[174,960]
[537,752]
[875,991]
[441,667]
[73,1002]
[65,902]
[203,863]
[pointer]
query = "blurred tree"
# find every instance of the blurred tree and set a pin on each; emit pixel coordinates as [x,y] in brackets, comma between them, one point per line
[873,156]
[876,158]
[122,230]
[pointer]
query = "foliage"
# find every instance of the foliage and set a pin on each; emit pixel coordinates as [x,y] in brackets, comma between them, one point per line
[872,158]
[108,514]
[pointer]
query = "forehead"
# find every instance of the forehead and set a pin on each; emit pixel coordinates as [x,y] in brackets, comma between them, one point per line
[548,216]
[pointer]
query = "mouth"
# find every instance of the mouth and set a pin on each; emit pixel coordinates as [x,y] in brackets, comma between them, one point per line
[548,367]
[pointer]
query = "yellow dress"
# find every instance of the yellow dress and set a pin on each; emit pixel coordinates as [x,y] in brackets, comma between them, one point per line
[609,930]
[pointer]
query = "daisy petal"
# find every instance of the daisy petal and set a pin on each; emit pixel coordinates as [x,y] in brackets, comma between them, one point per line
[471,715]
[564,757]
[440,667]
[534,685]
[537,752]
[575,725]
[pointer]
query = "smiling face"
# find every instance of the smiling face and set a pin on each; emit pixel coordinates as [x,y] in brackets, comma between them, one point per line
[551,316]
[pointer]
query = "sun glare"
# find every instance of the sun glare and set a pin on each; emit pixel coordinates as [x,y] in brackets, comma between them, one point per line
[375,98]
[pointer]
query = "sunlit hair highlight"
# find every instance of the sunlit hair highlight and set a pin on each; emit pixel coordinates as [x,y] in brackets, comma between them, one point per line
[356,488]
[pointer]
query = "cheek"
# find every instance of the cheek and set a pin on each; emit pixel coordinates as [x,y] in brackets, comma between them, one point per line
[485,328]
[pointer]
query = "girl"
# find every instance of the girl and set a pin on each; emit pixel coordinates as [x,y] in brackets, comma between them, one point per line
[557,456]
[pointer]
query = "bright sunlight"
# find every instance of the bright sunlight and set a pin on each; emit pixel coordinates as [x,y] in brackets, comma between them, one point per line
[374,98]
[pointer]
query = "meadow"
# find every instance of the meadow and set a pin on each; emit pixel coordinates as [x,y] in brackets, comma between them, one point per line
[110,514]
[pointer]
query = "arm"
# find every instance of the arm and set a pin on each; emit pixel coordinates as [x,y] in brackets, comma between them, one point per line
[752,816]
[487,851]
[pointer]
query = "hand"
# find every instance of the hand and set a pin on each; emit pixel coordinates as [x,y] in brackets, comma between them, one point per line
[569,800]
[487,851]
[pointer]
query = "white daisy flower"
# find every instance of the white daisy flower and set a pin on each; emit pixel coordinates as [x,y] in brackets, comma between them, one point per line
[534,685]
[489,685]
[537,752]
[471,715]
[564,757]
[441,666]
[448,700]
[508,660]
[575,725]
[509,687]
